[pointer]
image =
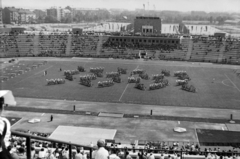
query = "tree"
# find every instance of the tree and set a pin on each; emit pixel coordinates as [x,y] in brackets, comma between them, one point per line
[67,19]
[69,8]
[51,19]
[211,19]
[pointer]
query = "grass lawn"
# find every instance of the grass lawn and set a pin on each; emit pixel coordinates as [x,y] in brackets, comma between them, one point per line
[223,93]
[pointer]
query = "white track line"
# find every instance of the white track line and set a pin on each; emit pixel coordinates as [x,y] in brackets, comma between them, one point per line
[196,135]
[33,75]
[123,92]
[125,88]
[232,83]
[42,114]
[226,84]
[16,122]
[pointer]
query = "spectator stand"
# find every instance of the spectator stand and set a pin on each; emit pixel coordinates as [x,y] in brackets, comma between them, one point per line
[33,143]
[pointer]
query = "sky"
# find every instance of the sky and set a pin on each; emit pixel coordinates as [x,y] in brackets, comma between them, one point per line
[179,5]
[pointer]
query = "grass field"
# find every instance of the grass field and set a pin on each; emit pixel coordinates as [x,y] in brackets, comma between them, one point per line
[224,92]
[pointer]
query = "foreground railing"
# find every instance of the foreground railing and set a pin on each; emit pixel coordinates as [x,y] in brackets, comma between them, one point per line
[29,138]
[133,151]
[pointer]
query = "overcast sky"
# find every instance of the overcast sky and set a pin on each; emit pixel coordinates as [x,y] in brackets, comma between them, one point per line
[180,5]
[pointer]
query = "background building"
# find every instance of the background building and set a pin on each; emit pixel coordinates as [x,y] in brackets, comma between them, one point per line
[52,12]
[147,25]
[1,20]
[10,15]
[59,13]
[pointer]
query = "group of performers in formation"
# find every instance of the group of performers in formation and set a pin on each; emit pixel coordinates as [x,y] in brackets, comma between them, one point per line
[55,81]
[183,79]
[136,76]
[159,81]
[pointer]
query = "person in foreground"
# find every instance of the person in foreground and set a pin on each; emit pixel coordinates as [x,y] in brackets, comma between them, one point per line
[101,153]
[5,133]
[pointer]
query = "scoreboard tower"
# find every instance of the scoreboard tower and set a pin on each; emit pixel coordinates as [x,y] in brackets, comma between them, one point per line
[148,25]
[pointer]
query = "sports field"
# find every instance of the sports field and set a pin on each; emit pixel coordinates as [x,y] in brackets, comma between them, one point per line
[224,92]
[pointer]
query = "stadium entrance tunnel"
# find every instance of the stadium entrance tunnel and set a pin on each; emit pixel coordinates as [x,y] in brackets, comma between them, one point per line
[142,54]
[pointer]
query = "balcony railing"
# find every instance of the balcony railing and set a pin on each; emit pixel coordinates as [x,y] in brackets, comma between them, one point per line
[134,151]
[29,138]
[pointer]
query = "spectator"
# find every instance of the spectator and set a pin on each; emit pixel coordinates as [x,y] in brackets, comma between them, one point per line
[150,156]
[113,154]
[78,154]
[162,156]
[4,133]
[84,155]
[42,153]
[65,153]
[101,153]
[21,153]
[33,152]
[128,156]
[50,155]
[94,151]
[4,122]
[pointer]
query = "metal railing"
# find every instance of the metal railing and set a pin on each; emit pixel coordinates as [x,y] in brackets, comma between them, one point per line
[134,151]
[29,138]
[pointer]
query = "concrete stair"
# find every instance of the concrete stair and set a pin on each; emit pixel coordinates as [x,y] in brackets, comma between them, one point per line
[35,45]
[220,57]
[69,42]
[189,52]
[99,45]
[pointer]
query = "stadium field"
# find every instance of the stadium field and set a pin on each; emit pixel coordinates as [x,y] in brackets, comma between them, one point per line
[216,87]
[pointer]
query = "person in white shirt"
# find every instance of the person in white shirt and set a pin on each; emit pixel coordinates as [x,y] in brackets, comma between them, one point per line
[113,154]
[84,155]
[95,148]
[150,156]
[4,121]
[101,153]
[78,154]
[42,153]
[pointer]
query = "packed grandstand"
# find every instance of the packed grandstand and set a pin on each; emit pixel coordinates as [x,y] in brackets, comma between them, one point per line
[197,48]
[146,47]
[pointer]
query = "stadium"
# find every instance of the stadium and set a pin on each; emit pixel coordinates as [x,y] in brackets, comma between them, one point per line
[167,90]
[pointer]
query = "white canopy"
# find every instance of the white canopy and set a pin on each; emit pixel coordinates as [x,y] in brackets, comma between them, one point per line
[8,97]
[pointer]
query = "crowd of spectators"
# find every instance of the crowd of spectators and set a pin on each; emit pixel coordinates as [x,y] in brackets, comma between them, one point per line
[212,47]
[104,150]
[53,44]
[81,43]
[139,46]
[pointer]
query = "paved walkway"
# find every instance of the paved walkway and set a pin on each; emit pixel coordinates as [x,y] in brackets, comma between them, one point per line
[129,110]
[158,62]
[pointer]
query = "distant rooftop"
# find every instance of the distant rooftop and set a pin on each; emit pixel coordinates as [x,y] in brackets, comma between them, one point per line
[147,17]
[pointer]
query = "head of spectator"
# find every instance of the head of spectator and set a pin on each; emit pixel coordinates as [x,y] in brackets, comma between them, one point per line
[21,150]
[100,143]
[78,150]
